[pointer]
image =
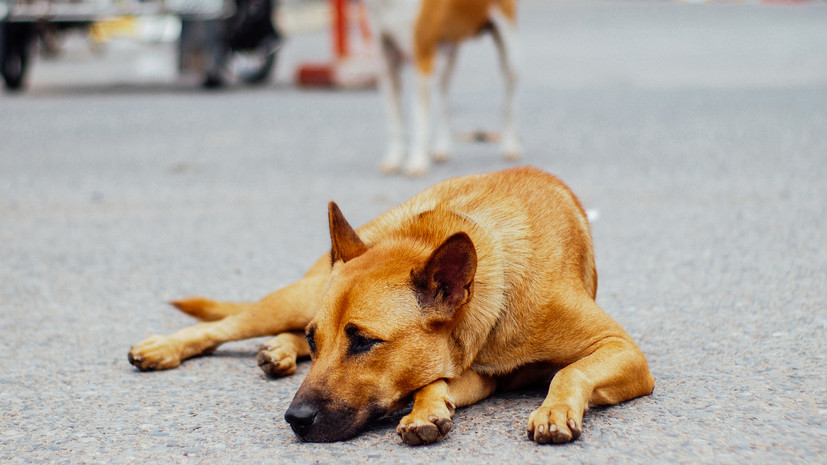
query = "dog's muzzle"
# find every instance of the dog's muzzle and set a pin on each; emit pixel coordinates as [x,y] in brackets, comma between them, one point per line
[318,420]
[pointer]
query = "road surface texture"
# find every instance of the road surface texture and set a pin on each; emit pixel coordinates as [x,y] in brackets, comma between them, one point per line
[696,135]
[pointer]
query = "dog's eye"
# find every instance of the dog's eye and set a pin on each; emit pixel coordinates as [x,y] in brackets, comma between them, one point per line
[359,342]
[311,340]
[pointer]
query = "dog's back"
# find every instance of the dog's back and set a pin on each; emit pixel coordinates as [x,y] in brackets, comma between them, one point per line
[534,248]
[525,209]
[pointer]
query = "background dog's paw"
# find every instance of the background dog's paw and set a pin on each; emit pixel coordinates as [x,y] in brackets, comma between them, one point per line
[276,360]
[511,148]
[155,353]
[389,168]
[392,162]
[417,166]
[426,425]
[557,424]
[441,155]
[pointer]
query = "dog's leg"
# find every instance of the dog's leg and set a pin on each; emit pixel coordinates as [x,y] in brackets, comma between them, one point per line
[288,309]
[425,50]
[434,405]
[504,34]
[391,84]
[419,160]
[614,372]
[444,136]
[277,357]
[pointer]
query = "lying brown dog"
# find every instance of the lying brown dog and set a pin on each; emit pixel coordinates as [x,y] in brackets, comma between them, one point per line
[477,282]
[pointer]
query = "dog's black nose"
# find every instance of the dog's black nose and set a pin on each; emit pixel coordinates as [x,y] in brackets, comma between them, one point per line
[301,418]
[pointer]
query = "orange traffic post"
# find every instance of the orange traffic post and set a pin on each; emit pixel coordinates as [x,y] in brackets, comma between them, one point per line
[347,69]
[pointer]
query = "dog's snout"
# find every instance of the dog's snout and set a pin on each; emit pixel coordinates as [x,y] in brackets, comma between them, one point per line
[301,418]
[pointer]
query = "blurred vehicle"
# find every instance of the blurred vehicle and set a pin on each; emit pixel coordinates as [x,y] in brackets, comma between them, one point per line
[218,37]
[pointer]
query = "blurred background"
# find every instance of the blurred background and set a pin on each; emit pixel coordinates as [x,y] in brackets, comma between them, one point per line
[54,43]
[154,150]
[151,41]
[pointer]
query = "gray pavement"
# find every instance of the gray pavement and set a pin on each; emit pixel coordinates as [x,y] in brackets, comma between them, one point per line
[697,132]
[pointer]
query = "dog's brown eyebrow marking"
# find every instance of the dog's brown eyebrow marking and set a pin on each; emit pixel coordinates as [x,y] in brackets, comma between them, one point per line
[352,329]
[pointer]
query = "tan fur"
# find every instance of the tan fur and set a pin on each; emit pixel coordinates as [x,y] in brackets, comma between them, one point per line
[476,281]
[443,21]
[423,30]
[209,310]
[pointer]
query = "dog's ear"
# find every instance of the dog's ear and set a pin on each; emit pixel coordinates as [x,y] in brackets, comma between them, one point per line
[346,243]
[446,281]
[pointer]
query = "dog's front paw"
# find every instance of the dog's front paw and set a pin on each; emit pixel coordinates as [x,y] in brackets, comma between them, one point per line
[155,353]
[277,359]
[557,424]
[426,425]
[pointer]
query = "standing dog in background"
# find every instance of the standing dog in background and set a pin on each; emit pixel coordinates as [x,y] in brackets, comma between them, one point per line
[416,30]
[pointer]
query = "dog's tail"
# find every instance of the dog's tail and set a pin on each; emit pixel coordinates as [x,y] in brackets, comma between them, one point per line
[209,310]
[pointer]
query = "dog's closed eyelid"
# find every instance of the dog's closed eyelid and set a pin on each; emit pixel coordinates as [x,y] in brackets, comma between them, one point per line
[360,344]
[311,339]
[359,341]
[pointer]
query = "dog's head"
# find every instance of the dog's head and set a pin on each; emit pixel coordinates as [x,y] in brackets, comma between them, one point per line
[383,329]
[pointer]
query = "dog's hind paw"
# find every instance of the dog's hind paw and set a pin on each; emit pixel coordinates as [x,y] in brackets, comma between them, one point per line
[276,360]
[155,353]
[425,426]
[557,424]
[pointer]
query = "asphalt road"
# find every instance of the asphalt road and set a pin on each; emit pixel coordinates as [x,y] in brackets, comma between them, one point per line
[697,133]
